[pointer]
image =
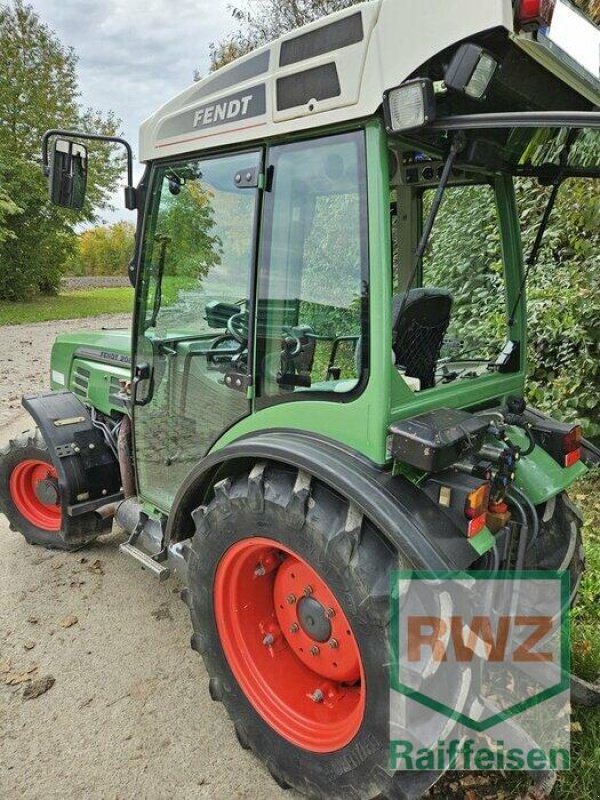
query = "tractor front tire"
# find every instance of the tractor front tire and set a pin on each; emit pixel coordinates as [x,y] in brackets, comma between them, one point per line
[30,497]
[288,588]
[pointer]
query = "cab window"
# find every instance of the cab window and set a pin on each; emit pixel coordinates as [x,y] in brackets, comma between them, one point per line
[313,269]
[464,258]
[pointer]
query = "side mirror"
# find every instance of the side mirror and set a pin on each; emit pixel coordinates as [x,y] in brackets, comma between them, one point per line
[68,174]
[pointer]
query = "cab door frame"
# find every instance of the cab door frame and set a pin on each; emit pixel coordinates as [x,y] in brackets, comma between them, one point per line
[142,372]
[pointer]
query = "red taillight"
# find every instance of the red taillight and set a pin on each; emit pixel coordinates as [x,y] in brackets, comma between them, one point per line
[476,525]
[572,457]
[533,14]
[572,446]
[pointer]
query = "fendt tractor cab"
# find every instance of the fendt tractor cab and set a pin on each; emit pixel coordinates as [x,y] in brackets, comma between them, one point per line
[326,372]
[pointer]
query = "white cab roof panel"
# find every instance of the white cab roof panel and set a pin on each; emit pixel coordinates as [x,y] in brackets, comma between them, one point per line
[333,70]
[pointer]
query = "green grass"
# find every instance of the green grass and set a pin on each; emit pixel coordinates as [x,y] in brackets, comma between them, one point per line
[583,782]
[68,305]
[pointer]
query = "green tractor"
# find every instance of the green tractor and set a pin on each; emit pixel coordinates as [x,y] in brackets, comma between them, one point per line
[321,384]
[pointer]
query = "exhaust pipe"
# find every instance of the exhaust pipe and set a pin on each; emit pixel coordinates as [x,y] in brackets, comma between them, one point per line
[125,457]
[107,511]
[126,470]
[128,513]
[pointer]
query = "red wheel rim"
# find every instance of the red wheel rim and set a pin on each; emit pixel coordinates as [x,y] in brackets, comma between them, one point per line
[289,645]
[25,481]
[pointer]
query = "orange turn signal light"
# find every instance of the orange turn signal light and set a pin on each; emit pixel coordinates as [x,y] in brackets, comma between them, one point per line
[477,501]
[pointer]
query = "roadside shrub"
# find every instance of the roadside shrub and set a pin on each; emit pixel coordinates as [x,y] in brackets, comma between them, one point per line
[564,303]
[104,250]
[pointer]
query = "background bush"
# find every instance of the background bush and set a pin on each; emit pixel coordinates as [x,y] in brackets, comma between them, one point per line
[104,250]
[39,90]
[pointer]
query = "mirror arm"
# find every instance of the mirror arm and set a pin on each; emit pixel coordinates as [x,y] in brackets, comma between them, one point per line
[130,193]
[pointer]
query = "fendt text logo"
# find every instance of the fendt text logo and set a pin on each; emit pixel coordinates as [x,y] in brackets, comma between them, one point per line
[480,671]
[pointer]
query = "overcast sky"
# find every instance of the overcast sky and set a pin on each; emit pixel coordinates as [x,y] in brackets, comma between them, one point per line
[135,54]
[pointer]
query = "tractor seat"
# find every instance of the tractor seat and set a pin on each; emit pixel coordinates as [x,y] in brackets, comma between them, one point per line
[419,330]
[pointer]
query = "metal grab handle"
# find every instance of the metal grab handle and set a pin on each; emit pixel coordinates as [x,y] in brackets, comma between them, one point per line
[141,373]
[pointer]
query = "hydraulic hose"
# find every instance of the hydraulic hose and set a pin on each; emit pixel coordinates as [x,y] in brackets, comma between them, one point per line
[529,522]
[532,441]
[524,533]
[519,421]
[534,522]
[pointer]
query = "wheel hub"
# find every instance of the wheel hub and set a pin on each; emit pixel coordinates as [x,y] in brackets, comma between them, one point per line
[46,491]
[289,644]
[313,620]
[323,640]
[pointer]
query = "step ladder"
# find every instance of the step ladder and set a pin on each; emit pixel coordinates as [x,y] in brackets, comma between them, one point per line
[146,561]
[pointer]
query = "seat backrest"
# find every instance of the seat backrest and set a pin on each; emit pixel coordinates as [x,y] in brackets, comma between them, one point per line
[420,324]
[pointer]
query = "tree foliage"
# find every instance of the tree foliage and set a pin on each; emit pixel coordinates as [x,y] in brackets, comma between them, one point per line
[38,91]
[263,20]
[7,210]
[563,291]
[564,303]
[187,219]
[103,250]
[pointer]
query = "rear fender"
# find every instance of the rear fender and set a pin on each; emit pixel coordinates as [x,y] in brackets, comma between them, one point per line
[410,521]
[538,475]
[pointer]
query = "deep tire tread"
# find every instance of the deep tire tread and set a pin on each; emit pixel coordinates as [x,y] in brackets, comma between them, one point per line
[76,531]
[274,498]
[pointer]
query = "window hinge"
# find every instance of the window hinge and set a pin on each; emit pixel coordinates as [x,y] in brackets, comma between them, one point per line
[247,178]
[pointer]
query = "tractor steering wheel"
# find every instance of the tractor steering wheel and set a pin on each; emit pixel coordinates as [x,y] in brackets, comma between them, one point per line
[291,343]
[237,327]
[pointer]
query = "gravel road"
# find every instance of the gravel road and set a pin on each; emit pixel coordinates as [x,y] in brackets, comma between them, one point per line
[94,281]
[128,715]
[25,356]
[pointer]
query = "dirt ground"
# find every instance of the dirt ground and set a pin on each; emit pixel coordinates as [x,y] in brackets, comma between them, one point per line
[128,715]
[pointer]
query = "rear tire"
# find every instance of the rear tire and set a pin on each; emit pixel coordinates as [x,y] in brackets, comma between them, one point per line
[24,464]
[559,545]
[303,524]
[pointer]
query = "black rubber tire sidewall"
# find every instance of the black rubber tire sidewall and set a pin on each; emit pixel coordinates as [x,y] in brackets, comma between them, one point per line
[74,533]
[358,575]
[552,546]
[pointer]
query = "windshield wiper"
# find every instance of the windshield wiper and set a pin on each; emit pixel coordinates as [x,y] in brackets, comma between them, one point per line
[164,240]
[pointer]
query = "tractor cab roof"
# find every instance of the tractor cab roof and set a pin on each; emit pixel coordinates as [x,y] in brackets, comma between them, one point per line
[338,69]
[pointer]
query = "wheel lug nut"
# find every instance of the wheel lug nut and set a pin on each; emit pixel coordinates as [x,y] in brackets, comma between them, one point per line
[317,696]
[330,613]
[291,598]
[308,590]
[259,570]
[294,628]
[333,643]
[314,650]
[268,640]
